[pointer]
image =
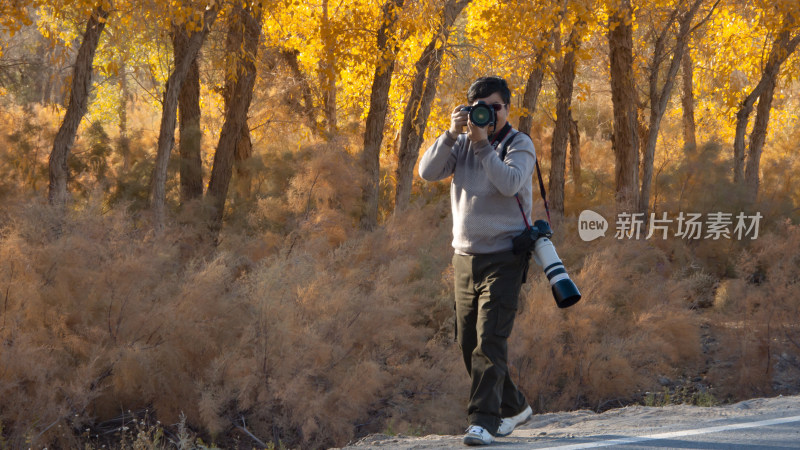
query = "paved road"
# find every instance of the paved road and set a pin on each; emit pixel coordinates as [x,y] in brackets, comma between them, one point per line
[754,424]
[779,432]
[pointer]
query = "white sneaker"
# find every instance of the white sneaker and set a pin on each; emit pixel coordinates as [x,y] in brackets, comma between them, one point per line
[477,435]
[507,424]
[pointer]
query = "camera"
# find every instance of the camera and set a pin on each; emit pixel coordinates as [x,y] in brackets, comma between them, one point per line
[481,114]
[536,240]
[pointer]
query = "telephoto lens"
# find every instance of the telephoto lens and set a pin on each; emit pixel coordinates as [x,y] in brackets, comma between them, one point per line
[565,291]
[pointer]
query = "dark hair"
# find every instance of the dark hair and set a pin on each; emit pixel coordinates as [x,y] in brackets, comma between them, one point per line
[486,86]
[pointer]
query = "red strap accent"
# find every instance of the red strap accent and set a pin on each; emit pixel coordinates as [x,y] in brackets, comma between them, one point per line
[498,138]
[522,210]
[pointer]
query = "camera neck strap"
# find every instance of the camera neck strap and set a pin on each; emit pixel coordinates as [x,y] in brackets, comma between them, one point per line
[500,135]
[503,152]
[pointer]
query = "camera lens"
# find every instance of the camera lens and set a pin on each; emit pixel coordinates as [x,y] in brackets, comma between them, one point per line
[481,115]
[565,292]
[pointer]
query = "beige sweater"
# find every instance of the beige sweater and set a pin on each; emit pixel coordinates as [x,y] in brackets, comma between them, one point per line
[485,214]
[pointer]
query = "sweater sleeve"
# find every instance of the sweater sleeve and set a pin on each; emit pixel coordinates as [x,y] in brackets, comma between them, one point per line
[508,175]
[439,161]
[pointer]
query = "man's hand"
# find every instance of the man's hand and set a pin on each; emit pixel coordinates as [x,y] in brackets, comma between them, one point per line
[476,133]
[458,119]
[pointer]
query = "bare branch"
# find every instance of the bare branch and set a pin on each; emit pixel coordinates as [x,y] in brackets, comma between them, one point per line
[706,18]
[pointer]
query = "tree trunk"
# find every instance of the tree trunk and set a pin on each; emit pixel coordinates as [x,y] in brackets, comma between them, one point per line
[307,108]
[244,175]
[532,89]
[327,73]
[247,24]
[575,149]
[529,99]
[533,86]
[166,133]
[39,80]
[376,117]
[687,103]
[742,117]
[124,140]
[659,96]
[191,169]
[408,150]
[49,75]
[757,138]
[782,48]
[78,104]
[625,139]
[418,108]
[565,83]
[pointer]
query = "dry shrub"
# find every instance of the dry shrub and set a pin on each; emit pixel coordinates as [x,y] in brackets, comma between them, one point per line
[95,161]
[25,142]
[100,318]
[318,199]
[354,339]
[756,319]
[596,189]
[61,311]
[631,327]
[321,333]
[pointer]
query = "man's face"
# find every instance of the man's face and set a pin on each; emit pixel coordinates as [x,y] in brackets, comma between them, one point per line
[500,109]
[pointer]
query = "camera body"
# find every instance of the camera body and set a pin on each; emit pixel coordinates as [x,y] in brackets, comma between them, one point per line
[525,242]
[481,114]
[536,240]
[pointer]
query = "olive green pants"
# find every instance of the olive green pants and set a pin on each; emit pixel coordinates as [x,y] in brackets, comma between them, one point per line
[486,297]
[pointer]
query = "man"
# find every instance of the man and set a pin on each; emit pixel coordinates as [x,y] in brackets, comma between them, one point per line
[492,168]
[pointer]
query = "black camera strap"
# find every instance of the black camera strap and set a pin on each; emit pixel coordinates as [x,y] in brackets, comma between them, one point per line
[503,152]
[500,135]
